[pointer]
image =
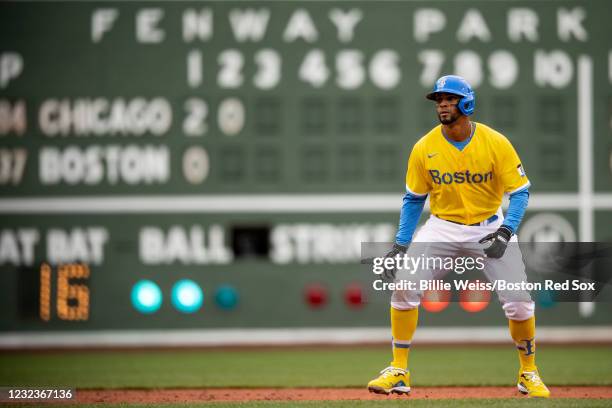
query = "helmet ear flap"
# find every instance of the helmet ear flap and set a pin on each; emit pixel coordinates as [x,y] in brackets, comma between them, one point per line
[467,104]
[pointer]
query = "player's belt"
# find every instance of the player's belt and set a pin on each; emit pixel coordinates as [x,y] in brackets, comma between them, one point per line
[476,224]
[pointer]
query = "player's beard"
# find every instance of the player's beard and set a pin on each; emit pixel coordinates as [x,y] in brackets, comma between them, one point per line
[453,116]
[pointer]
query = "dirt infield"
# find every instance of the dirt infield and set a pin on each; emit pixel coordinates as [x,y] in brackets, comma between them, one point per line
[318,394]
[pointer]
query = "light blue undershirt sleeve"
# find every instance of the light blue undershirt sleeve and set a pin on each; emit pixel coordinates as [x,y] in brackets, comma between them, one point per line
[516,209]
[409,217]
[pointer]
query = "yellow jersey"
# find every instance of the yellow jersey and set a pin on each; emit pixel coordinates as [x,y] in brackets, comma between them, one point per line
[465,186]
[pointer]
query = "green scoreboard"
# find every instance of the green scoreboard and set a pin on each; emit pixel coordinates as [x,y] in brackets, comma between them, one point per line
[200,164]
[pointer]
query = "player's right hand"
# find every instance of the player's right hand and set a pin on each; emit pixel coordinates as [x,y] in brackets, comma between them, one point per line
[389,273]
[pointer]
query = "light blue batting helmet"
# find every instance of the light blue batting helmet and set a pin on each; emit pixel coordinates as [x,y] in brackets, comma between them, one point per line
[456,85]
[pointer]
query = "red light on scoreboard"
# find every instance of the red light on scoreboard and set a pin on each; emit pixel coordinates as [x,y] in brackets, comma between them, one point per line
[474,301]
[315,295]
[353,295]
[435,300]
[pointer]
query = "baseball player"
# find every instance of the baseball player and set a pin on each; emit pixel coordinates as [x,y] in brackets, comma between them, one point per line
[465,168]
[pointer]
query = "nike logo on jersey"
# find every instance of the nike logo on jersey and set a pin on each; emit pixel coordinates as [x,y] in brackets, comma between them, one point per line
[430,155]
[460,177]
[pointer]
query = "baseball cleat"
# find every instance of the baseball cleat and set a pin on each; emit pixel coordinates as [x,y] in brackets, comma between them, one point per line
[391,380]
[530,383]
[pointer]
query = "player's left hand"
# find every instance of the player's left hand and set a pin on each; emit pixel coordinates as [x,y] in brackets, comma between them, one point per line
[499,242]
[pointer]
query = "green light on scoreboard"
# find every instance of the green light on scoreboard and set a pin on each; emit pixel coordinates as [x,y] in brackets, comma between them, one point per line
[187,296]
[146,296]
[226,297]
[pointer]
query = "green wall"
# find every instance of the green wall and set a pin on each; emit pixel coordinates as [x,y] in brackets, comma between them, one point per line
[126,111]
